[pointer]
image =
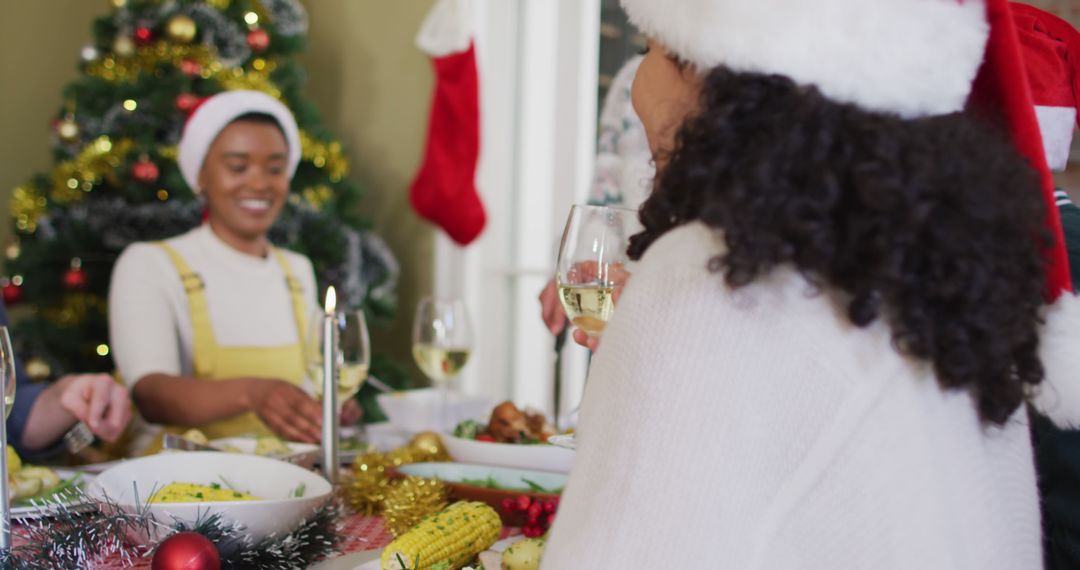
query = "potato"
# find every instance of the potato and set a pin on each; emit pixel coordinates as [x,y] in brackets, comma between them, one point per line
[14,463]
[523,555]
[196,436]
[48,477]
[270,445]
[23,487]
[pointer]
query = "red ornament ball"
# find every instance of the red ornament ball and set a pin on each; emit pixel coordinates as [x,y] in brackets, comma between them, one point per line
[12,293]
[258,40]
[143,35]
[145,171]
[75,278]
[190,67]
[186,102]
[186,551]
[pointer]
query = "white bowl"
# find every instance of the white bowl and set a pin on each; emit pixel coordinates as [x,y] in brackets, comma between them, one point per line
[130,483]
[539,456]
[420,410]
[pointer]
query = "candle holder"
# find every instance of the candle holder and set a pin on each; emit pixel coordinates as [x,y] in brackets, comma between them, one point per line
[331,353]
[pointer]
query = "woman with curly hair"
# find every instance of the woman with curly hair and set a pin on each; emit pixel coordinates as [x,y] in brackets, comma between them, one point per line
[822,358]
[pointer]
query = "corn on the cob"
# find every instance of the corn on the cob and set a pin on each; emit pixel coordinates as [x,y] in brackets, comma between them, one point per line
[454,535]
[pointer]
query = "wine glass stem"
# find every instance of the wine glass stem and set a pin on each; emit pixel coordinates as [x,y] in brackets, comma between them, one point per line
[443,413]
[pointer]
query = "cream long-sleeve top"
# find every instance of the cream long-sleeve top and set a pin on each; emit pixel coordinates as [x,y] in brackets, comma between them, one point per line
[758,429]
[248,299]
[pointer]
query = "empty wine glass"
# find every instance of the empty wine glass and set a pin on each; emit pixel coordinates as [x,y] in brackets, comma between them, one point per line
[442,343]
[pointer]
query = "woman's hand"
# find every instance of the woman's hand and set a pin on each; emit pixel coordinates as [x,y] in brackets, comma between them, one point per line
[551,310]
[287,410]
[97,401]
[351,412]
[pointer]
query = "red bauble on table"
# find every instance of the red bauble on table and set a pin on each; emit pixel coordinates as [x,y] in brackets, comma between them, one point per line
[145,171]
[186,551]
[258,40]
[143,35]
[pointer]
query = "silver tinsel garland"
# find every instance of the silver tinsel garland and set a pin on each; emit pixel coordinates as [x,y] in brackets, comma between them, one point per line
[289,16]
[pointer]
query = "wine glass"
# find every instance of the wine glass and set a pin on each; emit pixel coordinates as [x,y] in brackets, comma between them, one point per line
[7,370]
[593,264]
[354,353]
[7,379]
[442,343]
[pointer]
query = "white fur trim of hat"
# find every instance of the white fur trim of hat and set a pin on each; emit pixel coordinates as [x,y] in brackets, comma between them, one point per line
[216,113]
[1058,396]
[914,58]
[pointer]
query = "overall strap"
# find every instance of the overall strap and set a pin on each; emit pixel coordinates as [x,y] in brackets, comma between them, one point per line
[296,294]
[202,333]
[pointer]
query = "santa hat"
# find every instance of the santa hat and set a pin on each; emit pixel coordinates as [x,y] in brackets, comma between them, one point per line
[214,114]
[910,57]
[1051,52]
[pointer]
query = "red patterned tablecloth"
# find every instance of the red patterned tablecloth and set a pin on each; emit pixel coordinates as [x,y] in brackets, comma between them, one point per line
[360,533]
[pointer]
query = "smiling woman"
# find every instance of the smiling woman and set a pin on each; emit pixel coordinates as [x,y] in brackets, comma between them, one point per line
[207,326]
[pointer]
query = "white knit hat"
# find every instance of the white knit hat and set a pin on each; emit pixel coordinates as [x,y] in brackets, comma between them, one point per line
[215,114]
[911,57]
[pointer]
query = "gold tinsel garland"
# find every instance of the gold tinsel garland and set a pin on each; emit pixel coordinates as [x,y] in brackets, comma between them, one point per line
[368,490]
[95,162]
[74,308]
[329,156]
[412,499]
[27,206]
[148,58]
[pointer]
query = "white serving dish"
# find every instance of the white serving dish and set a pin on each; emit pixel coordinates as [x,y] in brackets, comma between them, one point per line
[131,483]
[507,478]
[302,454]
[420,410]
[539,456]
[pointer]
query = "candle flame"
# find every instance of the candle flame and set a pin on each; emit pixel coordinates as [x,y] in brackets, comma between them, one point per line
[331,300]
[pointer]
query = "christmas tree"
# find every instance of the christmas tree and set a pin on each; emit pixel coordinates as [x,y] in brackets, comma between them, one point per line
[115,179]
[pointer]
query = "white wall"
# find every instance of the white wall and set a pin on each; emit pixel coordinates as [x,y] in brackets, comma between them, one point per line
[538,68]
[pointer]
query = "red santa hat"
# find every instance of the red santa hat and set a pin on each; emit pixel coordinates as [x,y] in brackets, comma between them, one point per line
[215,113]
[1051,52]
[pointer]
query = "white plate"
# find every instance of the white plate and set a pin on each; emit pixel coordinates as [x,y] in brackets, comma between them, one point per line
[565,441]
[505,477]
[38,512]
[302,454]
[354,561]
[539,456]
[421,410]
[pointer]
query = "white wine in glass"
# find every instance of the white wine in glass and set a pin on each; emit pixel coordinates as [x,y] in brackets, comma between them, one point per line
[354,352]
[592,264]
[7,370]
[442,343]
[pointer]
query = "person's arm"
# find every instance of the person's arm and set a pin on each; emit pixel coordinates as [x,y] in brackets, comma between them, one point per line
[187,401]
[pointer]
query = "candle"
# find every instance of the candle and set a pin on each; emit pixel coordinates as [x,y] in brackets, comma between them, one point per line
[329,378]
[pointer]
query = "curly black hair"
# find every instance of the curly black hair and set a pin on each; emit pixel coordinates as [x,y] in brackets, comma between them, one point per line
[934,224]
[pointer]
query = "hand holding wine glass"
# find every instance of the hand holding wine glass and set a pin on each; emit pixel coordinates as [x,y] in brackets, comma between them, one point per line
[442,342]
[593,266]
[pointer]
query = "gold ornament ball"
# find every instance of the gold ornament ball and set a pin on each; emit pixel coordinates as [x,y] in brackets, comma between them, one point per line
[180,29]
[68,130]
[124,46]
[428,443]
[37,369]
[410,501]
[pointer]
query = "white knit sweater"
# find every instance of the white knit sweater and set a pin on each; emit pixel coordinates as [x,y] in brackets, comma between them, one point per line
[759,429]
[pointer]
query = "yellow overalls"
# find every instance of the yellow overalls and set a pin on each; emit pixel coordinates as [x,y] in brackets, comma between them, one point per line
[215,362]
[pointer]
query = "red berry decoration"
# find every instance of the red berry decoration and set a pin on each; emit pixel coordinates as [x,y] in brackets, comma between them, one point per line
[12,291]
[508,505]
[186,551]
[143,35]
[258,40]
[190,67]
[145,171]
[523,502]
[534,512]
